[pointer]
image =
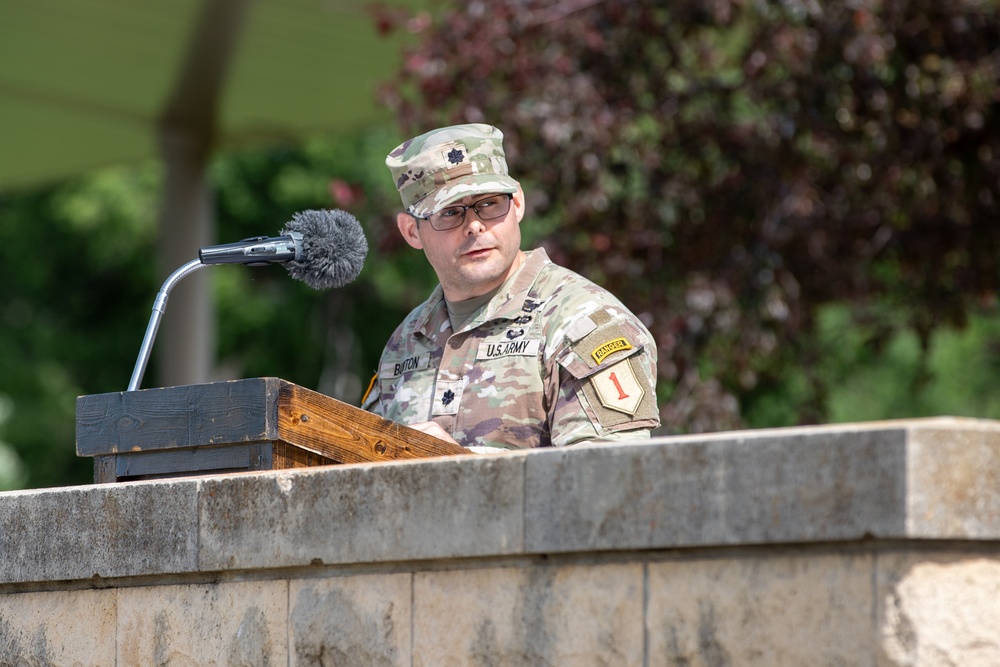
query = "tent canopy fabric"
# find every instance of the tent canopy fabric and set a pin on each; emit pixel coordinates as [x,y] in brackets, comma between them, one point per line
[91,83]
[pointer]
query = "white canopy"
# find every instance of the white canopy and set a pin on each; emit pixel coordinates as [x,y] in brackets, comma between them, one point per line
[91,83]
[88,83]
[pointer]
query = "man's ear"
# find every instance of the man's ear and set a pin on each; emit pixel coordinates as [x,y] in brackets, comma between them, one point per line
[517,202]
[407,225]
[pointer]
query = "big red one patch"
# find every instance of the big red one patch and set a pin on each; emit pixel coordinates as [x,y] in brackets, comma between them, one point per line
[618,388]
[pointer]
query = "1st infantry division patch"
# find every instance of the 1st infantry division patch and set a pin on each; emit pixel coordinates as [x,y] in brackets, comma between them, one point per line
[618,388]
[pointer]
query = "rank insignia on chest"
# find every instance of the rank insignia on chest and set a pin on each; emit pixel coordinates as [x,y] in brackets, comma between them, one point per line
[447,397]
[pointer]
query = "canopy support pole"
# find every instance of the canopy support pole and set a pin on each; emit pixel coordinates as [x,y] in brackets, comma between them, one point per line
[187,134]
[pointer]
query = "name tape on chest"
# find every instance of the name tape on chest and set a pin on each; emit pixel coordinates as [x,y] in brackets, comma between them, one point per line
[508,348]
[393,369]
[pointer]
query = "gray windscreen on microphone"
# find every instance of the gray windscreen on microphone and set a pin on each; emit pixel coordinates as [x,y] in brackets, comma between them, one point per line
[333,248]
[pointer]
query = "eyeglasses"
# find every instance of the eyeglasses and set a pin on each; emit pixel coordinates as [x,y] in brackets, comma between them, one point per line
[450,217]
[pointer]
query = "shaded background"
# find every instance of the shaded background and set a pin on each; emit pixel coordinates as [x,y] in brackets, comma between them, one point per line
[799,201]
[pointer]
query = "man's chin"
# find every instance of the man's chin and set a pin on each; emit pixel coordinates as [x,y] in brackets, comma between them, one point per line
[482,273]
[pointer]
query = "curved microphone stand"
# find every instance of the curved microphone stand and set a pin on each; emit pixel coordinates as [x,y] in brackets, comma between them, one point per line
[159,306]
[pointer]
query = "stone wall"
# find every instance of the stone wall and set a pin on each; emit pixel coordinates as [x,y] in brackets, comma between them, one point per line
[865,544]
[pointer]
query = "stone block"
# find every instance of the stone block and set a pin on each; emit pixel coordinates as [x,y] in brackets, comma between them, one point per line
[58,628]
[359,620]
[537,616]
[785,485]
[779,611]
[237,624]
[939,609]
[98,531]
[953,479]
[448,508]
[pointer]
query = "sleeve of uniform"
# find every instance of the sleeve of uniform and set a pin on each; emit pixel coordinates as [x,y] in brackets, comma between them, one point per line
[607,381]
[370,401]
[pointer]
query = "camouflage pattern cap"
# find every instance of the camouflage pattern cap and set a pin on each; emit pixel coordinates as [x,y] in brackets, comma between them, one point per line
[444,165]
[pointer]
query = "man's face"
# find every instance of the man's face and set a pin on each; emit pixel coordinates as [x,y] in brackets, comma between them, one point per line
[475,257]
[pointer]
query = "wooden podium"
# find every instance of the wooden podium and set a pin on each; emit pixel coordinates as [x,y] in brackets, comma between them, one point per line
[254,424]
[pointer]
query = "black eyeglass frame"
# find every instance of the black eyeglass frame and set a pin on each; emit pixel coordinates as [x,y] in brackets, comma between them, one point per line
[465,209]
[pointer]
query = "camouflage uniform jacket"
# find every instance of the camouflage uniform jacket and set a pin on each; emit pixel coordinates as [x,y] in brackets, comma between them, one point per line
[552,359]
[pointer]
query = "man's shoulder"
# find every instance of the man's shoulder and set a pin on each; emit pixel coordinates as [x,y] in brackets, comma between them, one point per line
[558,285]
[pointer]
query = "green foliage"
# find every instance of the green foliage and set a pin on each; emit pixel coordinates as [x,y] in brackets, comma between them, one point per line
[800,200]
[728,169]
[74,264]
[956,376]
[873,371]
[78,277]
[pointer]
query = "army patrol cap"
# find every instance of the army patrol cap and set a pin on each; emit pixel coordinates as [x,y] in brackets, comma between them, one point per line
[444,165]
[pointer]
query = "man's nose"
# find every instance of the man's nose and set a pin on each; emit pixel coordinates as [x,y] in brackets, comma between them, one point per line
[473,224]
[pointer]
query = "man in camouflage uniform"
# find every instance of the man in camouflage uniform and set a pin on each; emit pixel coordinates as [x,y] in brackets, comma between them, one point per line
[510,350]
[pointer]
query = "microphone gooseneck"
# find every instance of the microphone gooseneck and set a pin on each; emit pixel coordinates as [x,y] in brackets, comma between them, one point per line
[323,249]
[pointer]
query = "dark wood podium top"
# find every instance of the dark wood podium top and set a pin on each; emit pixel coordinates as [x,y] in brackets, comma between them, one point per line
[285,424]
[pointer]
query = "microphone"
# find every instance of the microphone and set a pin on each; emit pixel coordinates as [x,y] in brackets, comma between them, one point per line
[255,251]
[333,248]
[323,249]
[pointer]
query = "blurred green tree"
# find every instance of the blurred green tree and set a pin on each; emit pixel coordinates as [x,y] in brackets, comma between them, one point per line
[728,168]
[74,269]
[801,201]
[78,284]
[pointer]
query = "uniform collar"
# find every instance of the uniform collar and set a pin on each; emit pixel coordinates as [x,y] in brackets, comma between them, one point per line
[509,301]
[507,304]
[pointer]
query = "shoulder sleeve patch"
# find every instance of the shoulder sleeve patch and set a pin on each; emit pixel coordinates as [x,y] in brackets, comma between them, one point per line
[603,351]
[607,344]
[621,397]
[618,388]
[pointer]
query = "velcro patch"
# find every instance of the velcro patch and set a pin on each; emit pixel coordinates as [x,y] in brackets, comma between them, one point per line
[618,388]
[508,348]
[393,369]
[579,329]
[447,396]
[602,352]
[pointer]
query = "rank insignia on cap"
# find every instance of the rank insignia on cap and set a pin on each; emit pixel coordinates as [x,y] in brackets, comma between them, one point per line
[455,156]
[605,350]
[618,388]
